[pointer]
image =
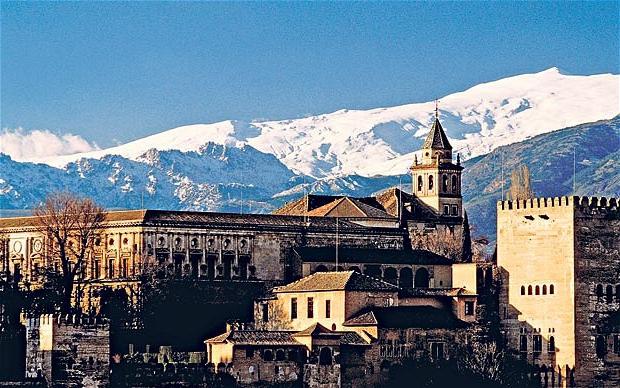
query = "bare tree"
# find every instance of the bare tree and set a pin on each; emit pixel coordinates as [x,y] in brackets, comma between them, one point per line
[71,225]
[278,318]
[441,241]
[520,184]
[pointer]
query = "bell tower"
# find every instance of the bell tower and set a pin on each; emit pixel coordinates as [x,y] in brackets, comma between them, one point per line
[436,180]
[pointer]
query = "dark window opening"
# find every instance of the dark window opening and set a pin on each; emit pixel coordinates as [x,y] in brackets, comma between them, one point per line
[469,308]
[551,345]
[265,312]
[293,308]
[537,339]
[454,184]
[328,308]
[310,307]
[551,289]
[529,290]
[444,183]
[601,346]
[522,290]
[523,343]
[430,183]
[420,183]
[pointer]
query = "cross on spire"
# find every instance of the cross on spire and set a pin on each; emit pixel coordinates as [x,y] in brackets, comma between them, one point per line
[436,109]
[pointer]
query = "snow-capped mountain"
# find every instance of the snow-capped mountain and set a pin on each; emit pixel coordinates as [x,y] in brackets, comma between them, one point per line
[382,141]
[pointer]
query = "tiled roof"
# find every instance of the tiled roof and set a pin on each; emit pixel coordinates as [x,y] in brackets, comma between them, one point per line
[331,281]
[437,138]
[312,330]
[256,337]
[334,206]
[212,219]
[111,216]
[370,255]
[403,317]
[434,292]
[365,319]
[317,330]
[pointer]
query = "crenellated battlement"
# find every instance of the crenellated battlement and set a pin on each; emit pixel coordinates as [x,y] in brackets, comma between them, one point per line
[584,204]
[74,320]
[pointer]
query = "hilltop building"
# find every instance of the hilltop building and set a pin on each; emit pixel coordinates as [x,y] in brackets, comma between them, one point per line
[559,260]
[344,329]
[373,235]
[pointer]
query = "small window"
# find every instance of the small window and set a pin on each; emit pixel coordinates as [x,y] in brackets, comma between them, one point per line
[551,345]
[454,183]
[430,183]
[444,183]
[249,353]
[537,290]
[522,290]
[551,289]
[599,290]
[618,293]
[265,312]
[609,294]
[310,307]
[529,290]
[469,308]
[268,355]
[601,346]
[617,344]
[455,210]
[544,289]
[446,210]
[537,343]
[523,343]
[293,308]
[420,183]
[328,308]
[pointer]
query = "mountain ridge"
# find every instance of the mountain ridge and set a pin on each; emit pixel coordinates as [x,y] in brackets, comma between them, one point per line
[383,141]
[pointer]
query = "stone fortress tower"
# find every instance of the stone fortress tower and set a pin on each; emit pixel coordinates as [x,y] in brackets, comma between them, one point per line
[559,262]
[436,180]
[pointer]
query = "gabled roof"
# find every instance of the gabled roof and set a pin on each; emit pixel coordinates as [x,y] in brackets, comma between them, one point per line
[364,319]
[334,281]
[334,206]
[435,292]
[437,138]
[317,330]
[256,337]
[370,255]
[404,317]
[313,330]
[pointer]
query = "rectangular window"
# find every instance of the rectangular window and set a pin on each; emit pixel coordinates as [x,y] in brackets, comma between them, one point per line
[469,308]
[249,352]
[293,308]
[455,210]
[328,308]
[96,273]
[523,343]
[617,344]
[437,352]
[446,210]
[111,269]
[537,343]
[265,312]
[310,307]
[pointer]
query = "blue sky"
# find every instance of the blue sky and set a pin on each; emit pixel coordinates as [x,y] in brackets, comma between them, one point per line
[118,71]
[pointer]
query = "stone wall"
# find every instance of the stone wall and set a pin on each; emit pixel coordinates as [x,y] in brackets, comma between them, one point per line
[68,351]
[597,268]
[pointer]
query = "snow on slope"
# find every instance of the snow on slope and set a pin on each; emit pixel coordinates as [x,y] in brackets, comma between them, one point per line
[382,141]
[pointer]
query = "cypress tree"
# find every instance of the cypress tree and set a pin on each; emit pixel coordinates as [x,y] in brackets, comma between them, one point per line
[466,254]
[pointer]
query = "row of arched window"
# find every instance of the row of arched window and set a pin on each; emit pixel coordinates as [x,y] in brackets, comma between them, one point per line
[607,292]
[538,290]
[448,184]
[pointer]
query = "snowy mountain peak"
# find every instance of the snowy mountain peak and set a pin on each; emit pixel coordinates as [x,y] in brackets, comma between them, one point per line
[382,141]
